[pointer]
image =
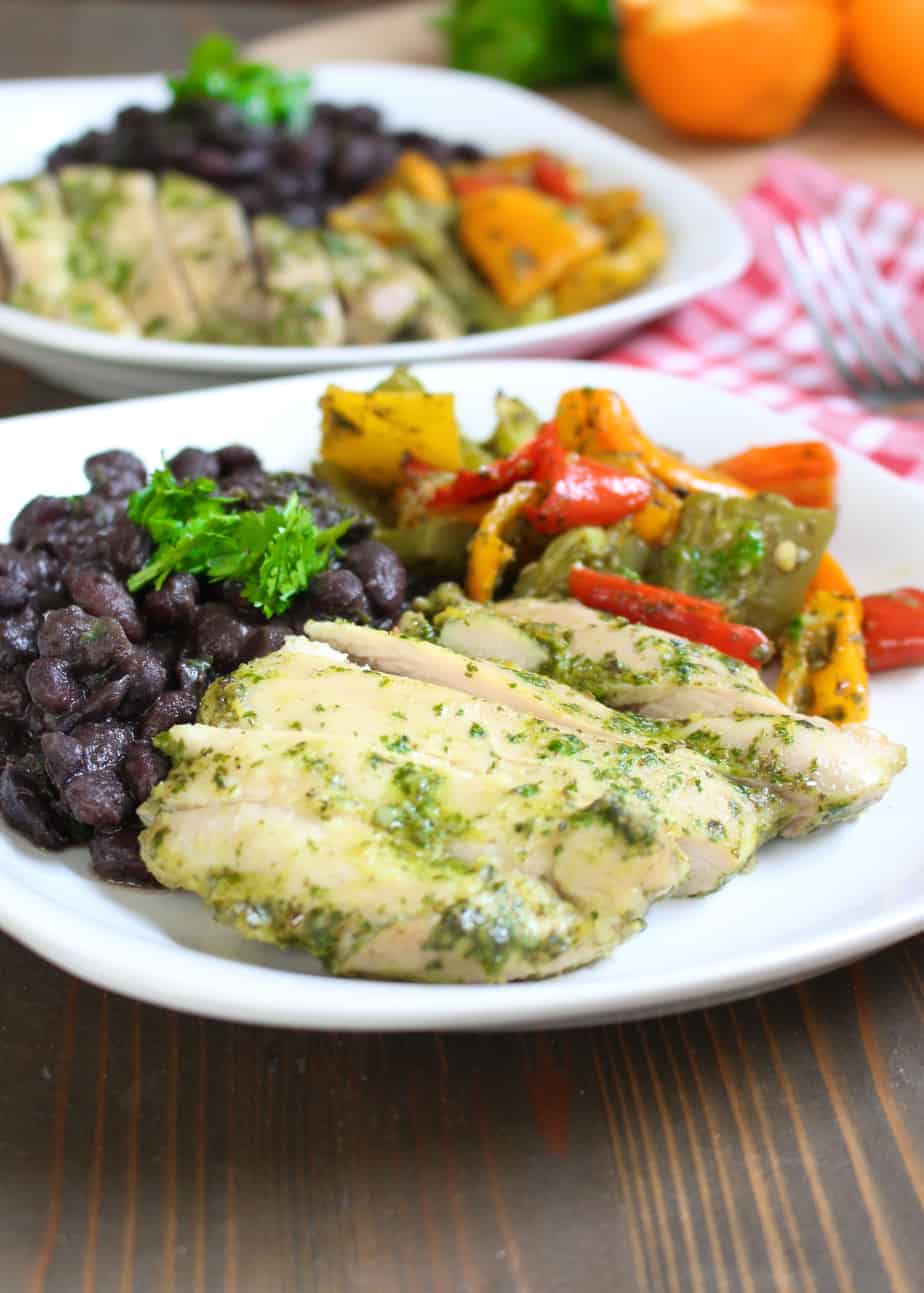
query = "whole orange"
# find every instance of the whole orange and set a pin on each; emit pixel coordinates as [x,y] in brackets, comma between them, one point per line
[731,69]
[885,48]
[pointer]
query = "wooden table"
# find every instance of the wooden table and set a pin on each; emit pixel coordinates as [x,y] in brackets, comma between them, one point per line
[771,1147]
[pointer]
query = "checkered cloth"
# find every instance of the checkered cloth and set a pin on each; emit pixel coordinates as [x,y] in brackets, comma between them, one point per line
[753,337]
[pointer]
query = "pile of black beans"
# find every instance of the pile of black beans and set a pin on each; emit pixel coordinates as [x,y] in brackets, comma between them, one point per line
[267,168]
[89,673]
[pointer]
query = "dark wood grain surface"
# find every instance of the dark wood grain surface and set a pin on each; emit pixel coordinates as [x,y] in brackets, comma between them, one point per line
[776,1146]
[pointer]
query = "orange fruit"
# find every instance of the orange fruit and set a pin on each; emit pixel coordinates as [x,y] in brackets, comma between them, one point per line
[731,69]
[885,48]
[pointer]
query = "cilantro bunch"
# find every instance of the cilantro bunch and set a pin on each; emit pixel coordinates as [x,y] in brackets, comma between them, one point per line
[272,554]
[263,95]
[533,42]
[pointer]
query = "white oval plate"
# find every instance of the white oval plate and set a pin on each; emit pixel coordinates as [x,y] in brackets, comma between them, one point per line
[707,244]
[810,904]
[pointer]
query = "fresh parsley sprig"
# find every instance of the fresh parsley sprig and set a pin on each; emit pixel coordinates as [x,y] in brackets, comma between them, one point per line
[263,95]
[273,554]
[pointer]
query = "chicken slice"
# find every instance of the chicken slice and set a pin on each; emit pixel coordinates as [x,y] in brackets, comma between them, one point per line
[381,292]
[630,666]
[43,265]
[124,246]
[821,772]
[304,308]
[207,234]
[397,854]
[718,824]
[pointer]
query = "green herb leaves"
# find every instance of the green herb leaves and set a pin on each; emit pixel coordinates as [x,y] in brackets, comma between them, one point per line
[273,554]
[263,95]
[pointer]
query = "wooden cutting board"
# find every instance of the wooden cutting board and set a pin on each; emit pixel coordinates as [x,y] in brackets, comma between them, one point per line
[847,132]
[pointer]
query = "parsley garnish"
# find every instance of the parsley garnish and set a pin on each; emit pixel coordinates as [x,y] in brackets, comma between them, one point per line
[263,95]
[272,554]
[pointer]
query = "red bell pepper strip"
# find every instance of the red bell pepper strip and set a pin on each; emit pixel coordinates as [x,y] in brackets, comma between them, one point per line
[661,608]
[478,181]
[580,491]
[495,477]
[552,176]
[893,625]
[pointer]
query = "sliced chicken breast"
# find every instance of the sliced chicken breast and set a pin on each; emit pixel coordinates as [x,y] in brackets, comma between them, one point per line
[118,224]
[304,308]
[399,853]
[207,234]
[718,824]
[821,772]
[629,666]
[43,262]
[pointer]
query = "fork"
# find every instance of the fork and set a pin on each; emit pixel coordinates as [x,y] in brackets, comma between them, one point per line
[858,324]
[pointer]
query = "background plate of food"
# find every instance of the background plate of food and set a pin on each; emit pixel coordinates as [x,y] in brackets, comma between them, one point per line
[113,669]
[459,217]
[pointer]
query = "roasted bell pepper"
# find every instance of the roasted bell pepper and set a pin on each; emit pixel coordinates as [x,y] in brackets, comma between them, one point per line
[830,575]
[579,491]
[693,618]
[823,667]
[495,477]
[802,471]
[555,177]
[489,553]
[599,421]
[893,625]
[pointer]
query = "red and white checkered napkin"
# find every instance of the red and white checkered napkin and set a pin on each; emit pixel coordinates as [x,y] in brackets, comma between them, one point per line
[754,339]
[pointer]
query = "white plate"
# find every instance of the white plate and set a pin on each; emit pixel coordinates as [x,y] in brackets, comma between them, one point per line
[707,245]
[810,904]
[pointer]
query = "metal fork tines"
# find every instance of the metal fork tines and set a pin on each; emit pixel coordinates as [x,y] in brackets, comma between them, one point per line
[858,324]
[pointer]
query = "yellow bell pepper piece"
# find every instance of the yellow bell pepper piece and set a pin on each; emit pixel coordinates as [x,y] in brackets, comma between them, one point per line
[420,176]
[522,241]
[613,273]
[489,553]
[370,434]
[823,666]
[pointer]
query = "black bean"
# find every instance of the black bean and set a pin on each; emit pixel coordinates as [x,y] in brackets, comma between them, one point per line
[99,593]
[235,457]
[13,595]
[170,708]
[193,675]
[53,687]
[268,639]
[167,647]
[174,602]
[13,737]
[18,637]
[213,163]
[142,768]
[36,517]
[115,473]
[191,463]
[359,158]
[382,573]
[40,569]
[14,699]
[220,636]
[302,216]
[147,675]
[128,547]
[14,565]
[466,153]
[28,809]
[88,643]
[232,595]
[88,748]
[116,857]
[107,698]
[339,594]
[98,799]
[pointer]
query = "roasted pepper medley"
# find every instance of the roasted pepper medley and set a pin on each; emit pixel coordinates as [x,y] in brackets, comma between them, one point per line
[734,556]
[428,252]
